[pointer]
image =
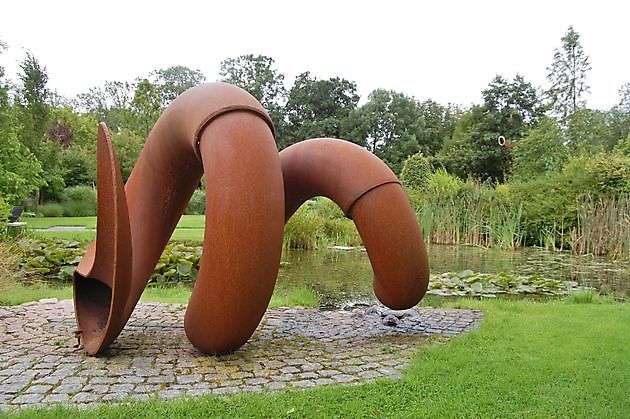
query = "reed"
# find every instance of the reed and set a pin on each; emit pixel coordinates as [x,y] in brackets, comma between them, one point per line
[454,212]
[603,226]
[319,223]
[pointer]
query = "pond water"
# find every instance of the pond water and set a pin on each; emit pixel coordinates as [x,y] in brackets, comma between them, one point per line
[338,276]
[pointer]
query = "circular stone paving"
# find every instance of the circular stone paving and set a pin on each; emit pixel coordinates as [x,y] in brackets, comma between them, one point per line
[41,362]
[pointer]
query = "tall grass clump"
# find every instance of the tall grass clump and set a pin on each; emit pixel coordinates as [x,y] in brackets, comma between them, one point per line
[79,201]
[452,211]
[319,223]
[8,262]
[603,226]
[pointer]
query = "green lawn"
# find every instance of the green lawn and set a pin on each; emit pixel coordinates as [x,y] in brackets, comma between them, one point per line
[190,228]
[13,293]
[528,359]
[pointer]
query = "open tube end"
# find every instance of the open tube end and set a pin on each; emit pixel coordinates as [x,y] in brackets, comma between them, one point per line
[102,278]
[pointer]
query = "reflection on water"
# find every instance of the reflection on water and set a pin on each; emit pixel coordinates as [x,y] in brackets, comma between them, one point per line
[338,275]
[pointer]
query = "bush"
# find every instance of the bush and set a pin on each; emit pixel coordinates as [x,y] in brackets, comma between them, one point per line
[197,203]
[51,209]
[79,201]
[416,171]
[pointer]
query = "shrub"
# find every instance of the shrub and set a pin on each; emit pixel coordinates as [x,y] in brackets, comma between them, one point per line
[79,201]
[197,203]
[300,232]
[51,209]
[416,171]
[442,184]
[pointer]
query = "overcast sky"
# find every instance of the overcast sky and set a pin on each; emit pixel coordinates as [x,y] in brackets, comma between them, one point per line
[445,50]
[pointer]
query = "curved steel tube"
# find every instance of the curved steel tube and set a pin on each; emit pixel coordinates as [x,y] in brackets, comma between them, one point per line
[369,193]
[222,131]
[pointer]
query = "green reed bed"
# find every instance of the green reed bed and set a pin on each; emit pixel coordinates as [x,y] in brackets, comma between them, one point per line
[603,227]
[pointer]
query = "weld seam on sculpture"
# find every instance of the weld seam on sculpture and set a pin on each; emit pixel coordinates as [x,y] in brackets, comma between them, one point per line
[224,111]
[348,213]
[251,190]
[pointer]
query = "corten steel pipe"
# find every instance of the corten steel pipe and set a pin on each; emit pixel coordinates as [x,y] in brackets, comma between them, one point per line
[369,193]
[219,129]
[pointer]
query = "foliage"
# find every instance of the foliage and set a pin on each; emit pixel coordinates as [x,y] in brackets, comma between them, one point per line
[567,76]
[78,166]
[469,283]
[452,211]
[5,213]
[49,259]
[178,263]
[197,203]
[623,147]
[603,226]
[146,106]
[255,73]
[319,222]
[588,132]
[319,108]
[79,201]
[173,81]
[540,152]
[416,171]
[127,146]
[509,109]
[50,209]
[392,127]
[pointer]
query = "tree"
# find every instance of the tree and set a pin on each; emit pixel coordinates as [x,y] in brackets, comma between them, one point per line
[588,133]
[439,123]
[392,127]
[20,171]
[319,108]
[110,104]
[173,81]
[540,152]
[510,108]
[255,73]
[33,96]
[146,106]
[624,97]
[567,76]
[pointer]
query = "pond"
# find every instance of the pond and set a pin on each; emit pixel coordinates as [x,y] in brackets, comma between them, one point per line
[338,276]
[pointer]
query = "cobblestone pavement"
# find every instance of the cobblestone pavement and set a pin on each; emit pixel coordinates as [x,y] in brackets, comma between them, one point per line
[41,364]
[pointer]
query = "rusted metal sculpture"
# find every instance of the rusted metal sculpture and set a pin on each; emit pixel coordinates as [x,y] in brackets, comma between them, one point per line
[222,131]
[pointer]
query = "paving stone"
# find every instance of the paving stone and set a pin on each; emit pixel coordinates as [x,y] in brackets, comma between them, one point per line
[28,399]
[152,358]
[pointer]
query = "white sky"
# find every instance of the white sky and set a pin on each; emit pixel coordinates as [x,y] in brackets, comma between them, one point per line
[446,50]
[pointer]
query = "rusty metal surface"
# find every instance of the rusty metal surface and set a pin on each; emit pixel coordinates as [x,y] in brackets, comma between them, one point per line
[369,193]
[222,131]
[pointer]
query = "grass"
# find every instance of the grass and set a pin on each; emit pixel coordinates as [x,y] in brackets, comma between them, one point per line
[527,359]
[13,293]
[190,228]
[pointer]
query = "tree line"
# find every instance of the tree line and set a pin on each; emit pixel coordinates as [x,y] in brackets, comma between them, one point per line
[48,141]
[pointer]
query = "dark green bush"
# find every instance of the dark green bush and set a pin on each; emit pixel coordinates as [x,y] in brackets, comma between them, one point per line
[197,203]
[416,171]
